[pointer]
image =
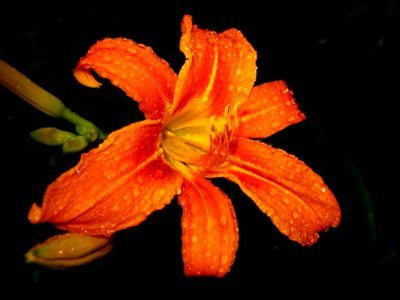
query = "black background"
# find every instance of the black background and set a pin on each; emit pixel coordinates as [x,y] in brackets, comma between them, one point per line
[340,58]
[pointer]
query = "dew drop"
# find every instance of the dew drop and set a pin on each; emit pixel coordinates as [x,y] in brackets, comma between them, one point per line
[275,124]
[194,239]
[223,220]
[158,174]
[107,59]
[273,191]
[132,50]
[224,259]
[109,174]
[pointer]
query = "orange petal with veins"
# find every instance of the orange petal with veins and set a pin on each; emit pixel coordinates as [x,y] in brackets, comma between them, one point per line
[113,187]
[269,109]
[295,198]
[209,229]
[220,69]
[134,68]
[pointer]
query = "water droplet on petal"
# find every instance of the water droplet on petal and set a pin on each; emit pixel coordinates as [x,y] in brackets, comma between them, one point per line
[275,124]
[132,50]
[273,191]
[109,174]
[194,239]
[158,174]
[223,220]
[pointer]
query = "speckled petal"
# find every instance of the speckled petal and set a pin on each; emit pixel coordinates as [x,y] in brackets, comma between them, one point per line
[209,229]
[285,188]
[113,187]
[134,68]
[220,69]
[269,109]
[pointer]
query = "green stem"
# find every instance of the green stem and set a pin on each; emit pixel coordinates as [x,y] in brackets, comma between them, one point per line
[41,99]
[74,118]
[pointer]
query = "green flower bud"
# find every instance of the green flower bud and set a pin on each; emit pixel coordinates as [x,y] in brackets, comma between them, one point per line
[75,144]
[51,136]
[68,250]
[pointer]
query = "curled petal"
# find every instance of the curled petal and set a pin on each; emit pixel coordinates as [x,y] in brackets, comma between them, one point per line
[295,198]
[113,187]
[220,69]
[134,68]
[209,229]
[86,78]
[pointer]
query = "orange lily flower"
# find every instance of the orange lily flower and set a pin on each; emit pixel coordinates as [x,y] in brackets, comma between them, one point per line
[200,124]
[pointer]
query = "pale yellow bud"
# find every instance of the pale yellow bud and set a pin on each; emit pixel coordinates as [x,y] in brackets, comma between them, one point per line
[68,250]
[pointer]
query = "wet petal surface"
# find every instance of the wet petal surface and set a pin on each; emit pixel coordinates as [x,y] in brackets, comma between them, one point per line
[209,229]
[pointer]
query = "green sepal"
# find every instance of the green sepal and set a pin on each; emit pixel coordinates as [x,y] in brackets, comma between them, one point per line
[91,134]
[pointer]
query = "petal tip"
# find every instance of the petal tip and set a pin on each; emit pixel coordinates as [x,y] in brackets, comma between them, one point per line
[35,214]
[85,78]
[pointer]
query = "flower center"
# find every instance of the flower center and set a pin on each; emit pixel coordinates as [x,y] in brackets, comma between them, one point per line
[196,141]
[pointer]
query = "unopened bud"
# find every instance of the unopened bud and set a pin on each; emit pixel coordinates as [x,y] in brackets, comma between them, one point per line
[51,136]
[75,144]
[68,250]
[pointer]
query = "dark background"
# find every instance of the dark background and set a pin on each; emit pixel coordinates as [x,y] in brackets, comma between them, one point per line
[340,58]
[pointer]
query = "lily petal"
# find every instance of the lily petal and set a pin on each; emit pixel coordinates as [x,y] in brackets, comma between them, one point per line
[271,101]
[134,68]
[285,188]
[113,187]
[209,229]
[220,69]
